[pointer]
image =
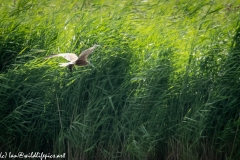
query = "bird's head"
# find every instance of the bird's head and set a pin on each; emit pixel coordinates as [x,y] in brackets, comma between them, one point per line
[96,45]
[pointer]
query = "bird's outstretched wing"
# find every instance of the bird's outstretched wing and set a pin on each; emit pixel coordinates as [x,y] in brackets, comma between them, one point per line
[68,56]
[84,54]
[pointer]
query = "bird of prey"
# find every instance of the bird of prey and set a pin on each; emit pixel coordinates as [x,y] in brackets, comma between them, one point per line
[74,59]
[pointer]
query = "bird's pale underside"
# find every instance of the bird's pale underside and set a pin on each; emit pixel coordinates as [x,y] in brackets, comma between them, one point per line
[74,59]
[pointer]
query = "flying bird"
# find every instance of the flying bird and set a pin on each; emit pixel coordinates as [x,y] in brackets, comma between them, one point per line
[74,59]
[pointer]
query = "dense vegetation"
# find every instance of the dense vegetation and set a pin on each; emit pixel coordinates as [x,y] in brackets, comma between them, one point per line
[165,83]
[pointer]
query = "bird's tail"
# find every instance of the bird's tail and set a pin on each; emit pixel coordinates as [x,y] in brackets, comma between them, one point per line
[65,64]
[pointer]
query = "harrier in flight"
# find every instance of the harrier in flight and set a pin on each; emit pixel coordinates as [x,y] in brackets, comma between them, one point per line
[74,59]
